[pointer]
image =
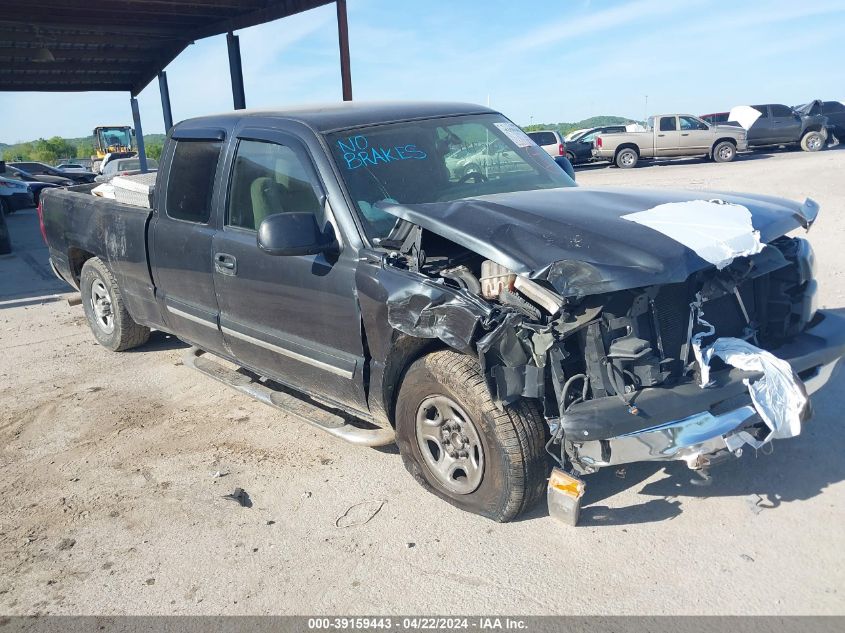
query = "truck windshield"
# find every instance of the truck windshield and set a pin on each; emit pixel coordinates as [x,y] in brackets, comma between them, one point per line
[438,160]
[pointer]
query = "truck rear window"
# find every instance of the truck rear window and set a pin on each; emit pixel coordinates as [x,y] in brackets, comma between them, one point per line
[191,180]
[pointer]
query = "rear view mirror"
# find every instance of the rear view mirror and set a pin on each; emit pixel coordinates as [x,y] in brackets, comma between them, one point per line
[293,234]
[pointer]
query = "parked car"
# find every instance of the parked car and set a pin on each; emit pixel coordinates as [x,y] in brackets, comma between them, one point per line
[670,136]
[716,118]
[42,170]
[124,167]
[833,110]
[579,148]
[14,195]
[100,165]
[73,168]
[775,124]
[477,323]
[549,140]
[488,159]
[36,185]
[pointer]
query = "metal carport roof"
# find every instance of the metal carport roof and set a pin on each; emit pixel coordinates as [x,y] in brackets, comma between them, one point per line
[81,45]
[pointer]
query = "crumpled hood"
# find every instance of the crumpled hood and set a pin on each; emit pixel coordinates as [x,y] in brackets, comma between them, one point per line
[577,239]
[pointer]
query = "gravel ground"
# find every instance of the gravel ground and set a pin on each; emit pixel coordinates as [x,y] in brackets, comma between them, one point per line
[110,504]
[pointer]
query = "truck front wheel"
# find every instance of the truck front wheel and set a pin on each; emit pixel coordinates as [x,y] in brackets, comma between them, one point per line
[104,308]
[627,158]
[460,446]
[724,152]
[812,142]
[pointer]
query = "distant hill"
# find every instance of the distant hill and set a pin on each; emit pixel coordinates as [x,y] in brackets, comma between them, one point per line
[58,148]
[593,121]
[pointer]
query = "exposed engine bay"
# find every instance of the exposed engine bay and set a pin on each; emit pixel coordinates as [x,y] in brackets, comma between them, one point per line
[585,357]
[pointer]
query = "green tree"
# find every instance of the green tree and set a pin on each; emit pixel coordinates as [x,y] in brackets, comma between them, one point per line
[50,150]
[84,149]
[154,150]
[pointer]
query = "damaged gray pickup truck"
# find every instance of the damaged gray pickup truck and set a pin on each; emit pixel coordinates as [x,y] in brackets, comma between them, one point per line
[493,323]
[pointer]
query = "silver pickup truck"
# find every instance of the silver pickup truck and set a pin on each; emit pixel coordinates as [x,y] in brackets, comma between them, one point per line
[669,136]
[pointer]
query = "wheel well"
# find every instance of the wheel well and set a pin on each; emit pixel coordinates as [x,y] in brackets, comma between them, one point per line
[730,140]
[632,146]
[77,258]
[811,128]
[404,351]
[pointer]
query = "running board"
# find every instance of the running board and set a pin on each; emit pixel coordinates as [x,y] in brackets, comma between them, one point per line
[314,415]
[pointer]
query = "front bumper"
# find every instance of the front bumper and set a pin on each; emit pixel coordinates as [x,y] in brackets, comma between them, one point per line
[689,423]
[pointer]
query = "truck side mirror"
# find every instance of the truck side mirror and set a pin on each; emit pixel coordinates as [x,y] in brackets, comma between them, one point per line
[294,234]
[565,165]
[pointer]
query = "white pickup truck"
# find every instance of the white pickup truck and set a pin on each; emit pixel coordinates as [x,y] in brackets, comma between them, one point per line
[670,136]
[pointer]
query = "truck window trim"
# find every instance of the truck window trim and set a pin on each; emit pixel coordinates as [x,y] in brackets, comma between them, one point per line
[300,149]
[171,157]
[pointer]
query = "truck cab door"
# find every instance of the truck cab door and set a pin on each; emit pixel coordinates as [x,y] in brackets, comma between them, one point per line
[762,131]
[787,124]
[293,318]
[695,135]
[667,137]
[180,242]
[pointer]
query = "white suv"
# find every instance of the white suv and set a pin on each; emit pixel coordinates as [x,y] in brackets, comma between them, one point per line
[549,140]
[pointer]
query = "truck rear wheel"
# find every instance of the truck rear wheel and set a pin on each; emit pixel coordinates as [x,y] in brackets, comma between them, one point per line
[724,152]
[460,446]
[104,308]
[812,142]
[627,158]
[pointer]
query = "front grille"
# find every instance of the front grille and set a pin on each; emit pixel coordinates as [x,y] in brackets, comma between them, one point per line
[671,314]
[672,311]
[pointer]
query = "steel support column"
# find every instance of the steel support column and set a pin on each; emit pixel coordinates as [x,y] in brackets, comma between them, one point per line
[165,101]
[139,134]
[236,71]
[343,41]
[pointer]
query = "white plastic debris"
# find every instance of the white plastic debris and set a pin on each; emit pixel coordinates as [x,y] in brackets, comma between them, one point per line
[105,190]
[716,231]
[778,397]
[744,115]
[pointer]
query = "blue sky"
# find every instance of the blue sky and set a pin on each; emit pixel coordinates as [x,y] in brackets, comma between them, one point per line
[536,61]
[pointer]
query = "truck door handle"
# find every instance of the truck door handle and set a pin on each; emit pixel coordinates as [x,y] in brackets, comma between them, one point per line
[661,135]
[685,134]
[225,264]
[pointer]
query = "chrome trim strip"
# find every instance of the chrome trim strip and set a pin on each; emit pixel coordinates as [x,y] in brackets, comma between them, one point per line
[290,354]
[190,317]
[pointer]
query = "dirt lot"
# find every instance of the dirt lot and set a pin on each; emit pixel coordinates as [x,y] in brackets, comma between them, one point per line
[109,503]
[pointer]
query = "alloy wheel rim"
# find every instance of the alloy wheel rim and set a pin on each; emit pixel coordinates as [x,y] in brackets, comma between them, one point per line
[101,306]
[450,444]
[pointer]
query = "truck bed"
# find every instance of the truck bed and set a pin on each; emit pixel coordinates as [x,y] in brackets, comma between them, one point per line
[78,225]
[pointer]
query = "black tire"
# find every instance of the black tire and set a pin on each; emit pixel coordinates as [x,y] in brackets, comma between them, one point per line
[125,333]
[627,158]
[5,207]
[513,440]
[724,152]
[812,142]
[571,157]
